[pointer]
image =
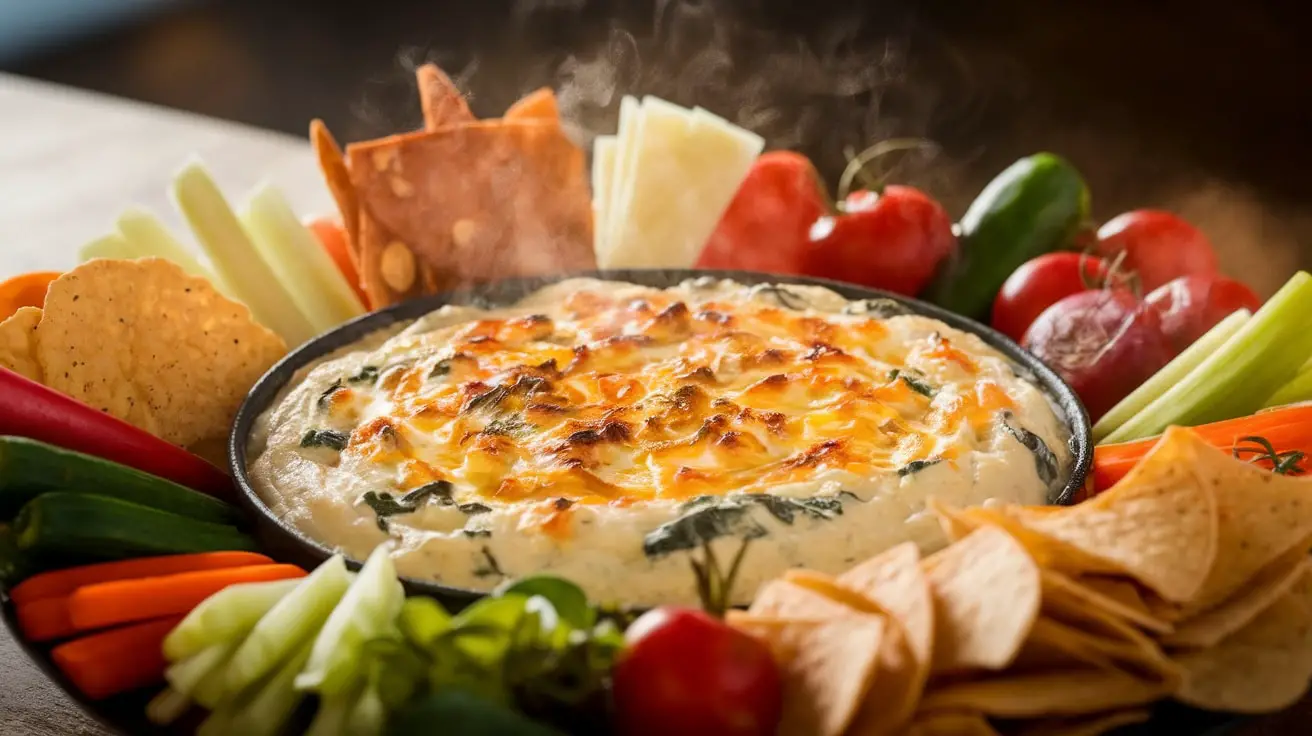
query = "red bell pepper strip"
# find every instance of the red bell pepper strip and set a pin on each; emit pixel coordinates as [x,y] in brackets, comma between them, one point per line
[28,409]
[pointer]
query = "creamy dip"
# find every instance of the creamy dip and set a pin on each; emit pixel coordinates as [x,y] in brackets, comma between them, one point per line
[603,431]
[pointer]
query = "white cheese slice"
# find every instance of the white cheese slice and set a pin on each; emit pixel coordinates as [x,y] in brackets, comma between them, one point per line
[685,168]
[603,167]
[625,141]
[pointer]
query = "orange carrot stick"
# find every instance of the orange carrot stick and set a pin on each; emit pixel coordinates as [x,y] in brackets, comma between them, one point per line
[24,290]
[61,583]
[124,601]
[45,620]
[1217,433]
[116,661]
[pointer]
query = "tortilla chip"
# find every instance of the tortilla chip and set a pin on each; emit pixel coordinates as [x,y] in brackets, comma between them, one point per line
[1262,515]
[338,179]
[1263,667]
[1085,725]
[514,203]
[1101,595]
[1031,695]
[1211,626]
[18,343]
[986,592]
[440,99]
[1049,553]
[785,599]
[898,686]
[537,105]
[895,582]
[827,667]
[147,343]
[1055,645]
[950,724]
[818,582]
[1158,525]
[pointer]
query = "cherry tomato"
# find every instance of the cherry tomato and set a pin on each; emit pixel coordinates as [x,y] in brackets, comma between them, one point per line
[686,672]
[1191,305]
[891,240]
[1158,246]
[1038,284]
[1104,343]
[333,238]
[765,227]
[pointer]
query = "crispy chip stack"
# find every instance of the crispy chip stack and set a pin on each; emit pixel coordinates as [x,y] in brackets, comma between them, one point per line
[463,201]
[145,342]
[1190,579]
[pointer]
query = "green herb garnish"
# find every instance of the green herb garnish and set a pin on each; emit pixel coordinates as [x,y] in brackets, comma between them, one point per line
[368,373]
[385,504]
[915,466]
[329,438]
[327,395]
[915,384]
[442,368]
[1282,463]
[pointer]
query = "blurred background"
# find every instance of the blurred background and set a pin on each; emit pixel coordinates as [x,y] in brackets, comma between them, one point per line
[1199,107]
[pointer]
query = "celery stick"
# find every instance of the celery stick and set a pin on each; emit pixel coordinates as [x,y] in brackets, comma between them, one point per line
[1169,375]
[110,246]
[235,259]
[212,688]
[167,707]
[301,263]
[274,701]
[368,610]
[369,716]
[224,618]
[331,717]
[292,622]
[1235,379]
[221,720]
[1297,390]
[187,675]
[149,237]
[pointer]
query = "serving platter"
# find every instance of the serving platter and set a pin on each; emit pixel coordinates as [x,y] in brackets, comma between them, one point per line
[125,713]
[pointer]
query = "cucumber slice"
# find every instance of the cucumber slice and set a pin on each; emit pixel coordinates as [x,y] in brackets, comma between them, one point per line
[1171,374]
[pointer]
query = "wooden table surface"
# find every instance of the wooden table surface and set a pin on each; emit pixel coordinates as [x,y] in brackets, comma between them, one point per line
[69,163]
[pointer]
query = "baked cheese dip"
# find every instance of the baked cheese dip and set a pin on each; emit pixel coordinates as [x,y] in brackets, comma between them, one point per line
[602,431]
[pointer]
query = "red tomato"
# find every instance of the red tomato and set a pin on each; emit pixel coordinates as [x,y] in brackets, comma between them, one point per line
[333,238]
[686,672]
[1158,246]
[892,240]
[1038,284]
[765,227]
[1191,305]
[1103,343]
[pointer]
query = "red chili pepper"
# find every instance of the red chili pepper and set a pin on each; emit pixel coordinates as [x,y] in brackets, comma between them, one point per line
[28,409]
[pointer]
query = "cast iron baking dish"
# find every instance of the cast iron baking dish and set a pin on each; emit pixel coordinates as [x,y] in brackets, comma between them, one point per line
[289,544]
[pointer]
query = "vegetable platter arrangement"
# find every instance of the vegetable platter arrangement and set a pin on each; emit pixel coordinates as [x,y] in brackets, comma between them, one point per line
[1177,589]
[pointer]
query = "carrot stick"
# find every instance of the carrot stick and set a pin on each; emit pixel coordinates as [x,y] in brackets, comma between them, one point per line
[116,661]
[61,583]
[124,601]
[24,290]
[45,620]
[1287,429]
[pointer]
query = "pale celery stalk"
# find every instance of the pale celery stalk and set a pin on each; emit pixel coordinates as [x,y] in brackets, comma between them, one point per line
[113,246]
[368,610]
[149,236]
[235,258]
[1169,375]
[293,622]
[1235,379]
[224,618]
[186,675]
[1297,390]
[274,701]
[167,707]
[300,262]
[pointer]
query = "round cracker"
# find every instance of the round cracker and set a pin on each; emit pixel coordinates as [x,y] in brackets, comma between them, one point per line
[153,346]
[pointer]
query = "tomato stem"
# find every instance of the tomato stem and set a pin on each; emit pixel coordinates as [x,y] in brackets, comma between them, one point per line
[857,164]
